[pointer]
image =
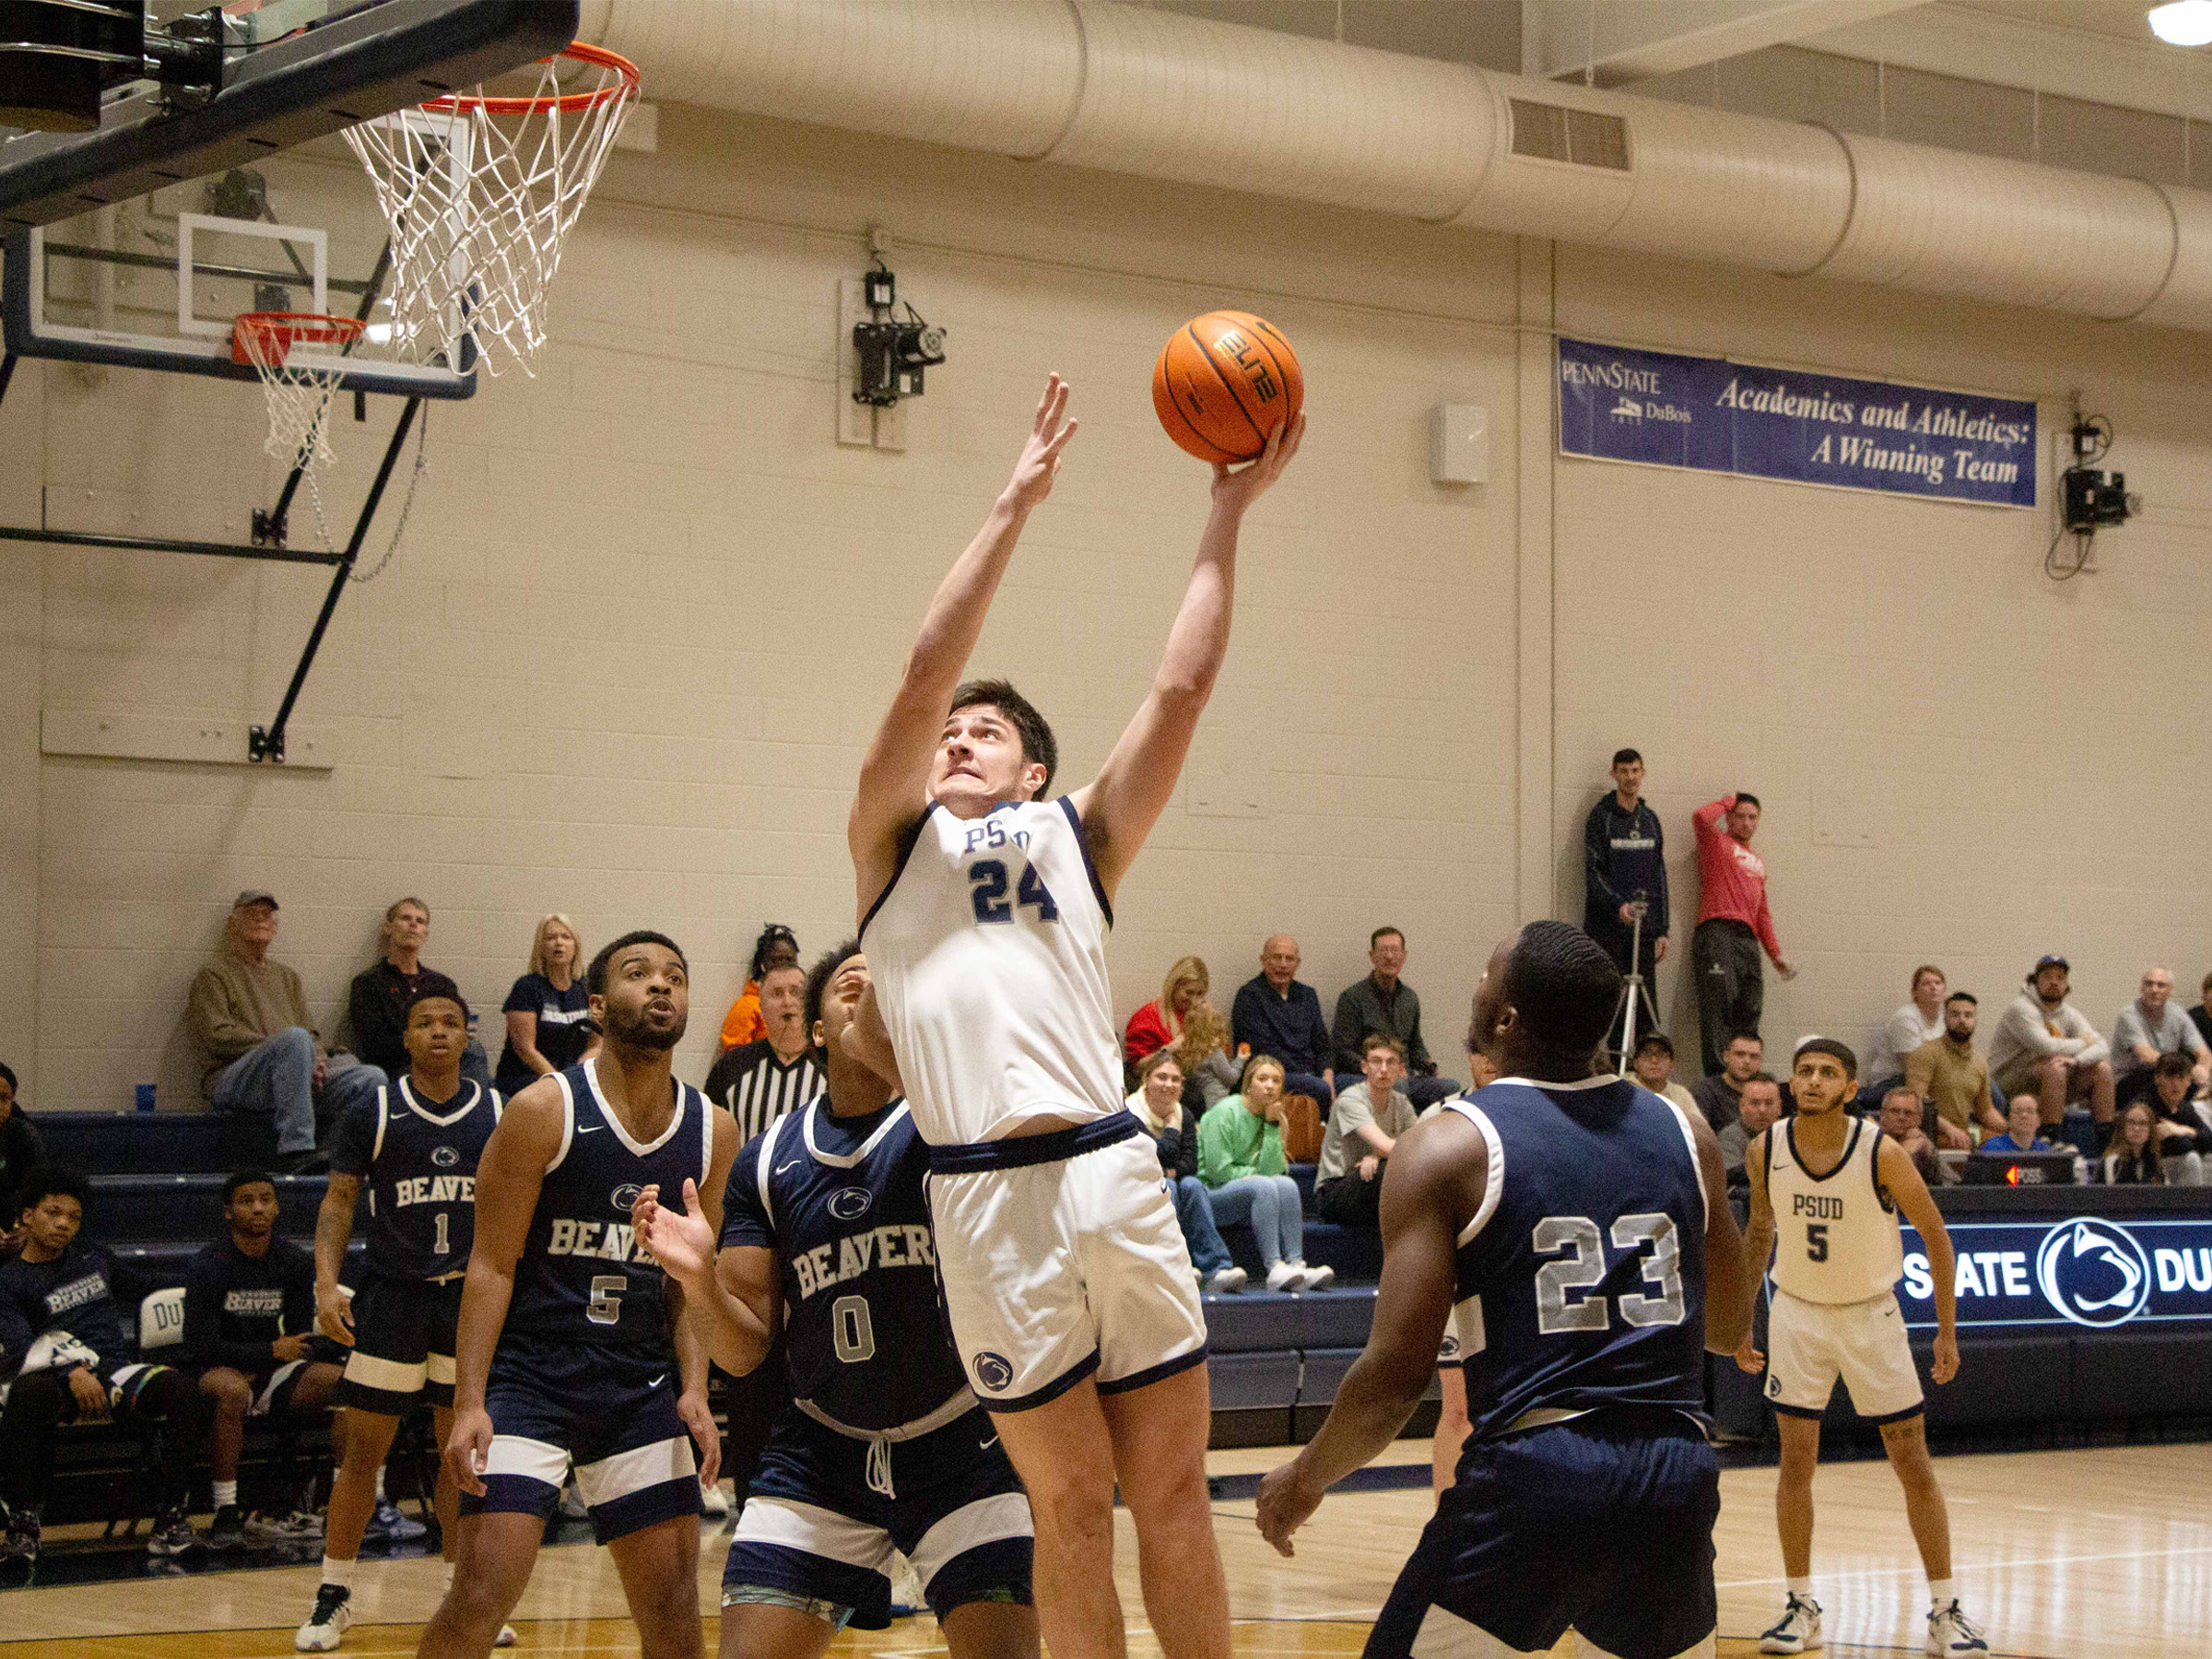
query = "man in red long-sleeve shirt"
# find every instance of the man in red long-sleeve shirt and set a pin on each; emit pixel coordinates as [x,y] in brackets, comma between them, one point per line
[1732,924]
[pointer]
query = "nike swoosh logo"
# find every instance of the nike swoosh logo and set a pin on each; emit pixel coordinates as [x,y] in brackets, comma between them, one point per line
[782,1167]
[658,1381]
[986,1445]
[593,1130]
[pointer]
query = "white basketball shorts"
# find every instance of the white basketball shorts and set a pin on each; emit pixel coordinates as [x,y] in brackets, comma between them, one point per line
[1810,1344]
[1061,1257]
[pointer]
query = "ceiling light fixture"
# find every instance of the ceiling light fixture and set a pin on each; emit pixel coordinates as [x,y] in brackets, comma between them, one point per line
[2183,23]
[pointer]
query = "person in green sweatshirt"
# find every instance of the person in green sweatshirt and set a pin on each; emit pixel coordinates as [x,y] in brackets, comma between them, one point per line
[1240,1161]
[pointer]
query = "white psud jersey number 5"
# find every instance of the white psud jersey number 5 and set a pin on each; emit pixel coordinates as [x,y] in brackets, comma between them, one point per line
[1563,1305]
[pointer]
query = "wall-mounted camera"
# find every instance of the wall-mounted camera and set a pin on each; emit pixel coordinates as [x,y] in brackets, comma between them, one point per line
[2094,500]
[894,351]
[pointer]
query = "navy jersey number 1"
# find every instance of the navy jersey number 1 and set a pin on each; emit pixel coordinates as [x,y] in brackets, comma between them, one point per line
[989,876]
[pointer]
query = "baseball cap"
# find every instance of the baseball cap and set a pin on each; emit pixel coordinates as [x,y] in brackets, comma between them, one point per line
[254,895]
[2053,961]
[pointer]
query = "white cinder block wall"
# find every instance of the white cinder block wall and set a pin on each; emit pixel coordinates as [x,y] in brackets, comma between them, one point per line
[647,613]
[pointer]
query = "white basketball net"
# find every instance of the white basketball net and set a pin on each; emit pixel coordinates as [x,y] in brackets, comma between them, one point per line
[480,194]
[298,383]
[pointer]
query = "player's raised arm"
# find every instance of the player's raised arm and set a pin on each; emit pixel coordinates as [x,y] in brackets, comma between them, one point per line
[1901,1181]
[1435,1163]
[1120,806]
[895,775]
[1731,1285]
[508,1178]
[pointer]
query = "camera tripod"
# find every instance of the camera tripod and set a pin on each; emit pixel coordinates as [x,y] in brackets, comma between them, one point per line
[1635,995]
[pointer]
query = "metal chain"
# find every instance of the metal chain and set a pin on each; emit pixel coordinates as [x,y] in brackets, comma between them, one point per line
[314,493]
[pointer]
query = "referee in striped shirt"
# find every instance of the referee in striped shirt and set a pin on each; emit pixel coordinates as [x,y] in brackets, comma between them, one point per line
[758,1082]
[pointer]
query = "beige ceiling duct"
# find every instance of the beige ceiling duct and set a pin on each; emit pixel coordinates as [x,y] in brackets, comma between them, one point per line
[1160,95]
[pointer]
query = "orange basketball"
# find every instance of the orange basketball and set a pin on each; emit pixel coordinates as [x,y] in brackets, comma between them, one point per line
[1223,382]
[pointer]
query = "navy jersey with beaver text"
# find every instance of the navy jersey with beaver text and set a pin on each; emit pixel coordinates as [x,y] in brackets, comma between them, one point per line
[1580,1281]
[584,1278]
[418,1160]
[841,1202]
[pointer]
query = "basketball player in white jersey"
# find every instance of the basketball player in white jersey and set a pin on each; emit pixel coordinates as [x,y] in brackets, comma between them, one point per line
[983,910]
[1826,1190]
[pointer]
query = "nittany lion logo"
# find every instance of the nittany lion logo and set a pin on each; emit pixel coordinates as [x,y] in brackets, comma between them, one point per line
[445,1157]
[994,1372]
[849,1204]
[625,1197]
[2092,1273]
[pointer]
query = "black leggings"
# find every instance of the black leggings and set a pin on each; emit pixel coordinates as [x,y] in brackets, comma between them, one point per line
[157,1402]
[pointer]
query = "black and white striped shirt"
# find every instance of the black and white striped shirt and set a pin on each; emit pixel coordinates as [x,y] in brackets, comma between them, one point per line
[758,1088]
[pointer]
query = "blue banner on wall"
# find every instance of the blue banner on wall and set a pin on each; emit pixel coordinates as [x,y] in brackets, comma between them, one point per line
[2098,1271]
[1710,414]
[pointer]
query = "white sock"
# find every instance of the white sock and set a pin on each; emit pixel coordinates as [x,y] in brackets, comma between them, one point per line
[1801,1588]
[338,1572]
[226,1494]
[1942,1593]
[379,1486]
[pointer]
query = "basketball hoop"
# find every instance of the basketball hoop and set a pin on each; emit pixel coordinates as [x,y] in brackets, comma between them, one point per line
[299,387]
[480,194]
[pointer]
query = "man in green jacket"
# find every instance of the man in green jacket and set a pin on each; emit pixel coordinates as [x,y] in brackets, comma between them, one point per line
[250,1018]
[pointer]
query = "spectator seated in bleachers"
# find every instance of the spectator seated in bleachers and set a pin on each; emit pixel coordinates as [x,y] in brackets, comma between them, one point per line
[376,1002]
[1955,1080]
[1384,1002]
[2024,1131]
[2047,1047]
[249,1017]
[1173,1126]
[777,947]
[2178,1123]
[1902,1118]
[2149,1028]
[1209,1074]
[1717,1094]
[1915,1023]
[250,1332]
[1159,1023]
[1364,1125]
[2132,1157]
[1653,1065]
[68,1342]
[1277,1012]
[21,1151]
[549,1017]
[1247,1178]
[1758,1109]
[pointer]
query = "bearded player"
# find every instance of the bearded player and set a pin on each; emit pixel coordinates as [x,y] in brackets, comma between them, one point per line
[984,905]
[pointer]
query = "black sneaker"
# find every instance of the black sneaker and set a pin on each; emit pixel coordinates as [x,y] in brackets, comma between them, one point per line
[172,1534]
[19,1542]
[228,1530]
[307,1162]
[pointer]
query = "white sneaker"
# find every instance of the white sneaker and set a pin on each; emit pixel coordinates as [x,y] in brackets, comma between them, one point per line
[325,1628]
[1227,1281]
[1799,1631]
[1286,1275]
[713,1501]
[1949,1632]
[1315,1279]
[907,1599]
[505,1637]
[573,1506]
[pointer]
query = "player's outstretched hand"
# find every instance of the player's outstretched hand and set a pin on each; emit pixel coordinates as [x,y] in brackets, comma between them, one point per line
[681,1241]
[1040,463]
[1749,1358]
[700,1418]
[1946,1365]
[1287,1503]
[334,1314]
[468,1448]
[1240,489]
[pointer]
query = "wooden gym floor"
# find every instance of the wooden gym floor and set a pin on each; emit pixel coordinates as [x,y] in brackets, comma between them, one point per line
[2100,1554]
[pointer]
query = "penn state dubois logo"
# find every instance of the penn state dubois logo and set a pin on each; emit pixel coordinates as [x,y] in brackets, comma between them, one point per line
[445,1157]
[994,1372]
[625,1197]
[2092,1273]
